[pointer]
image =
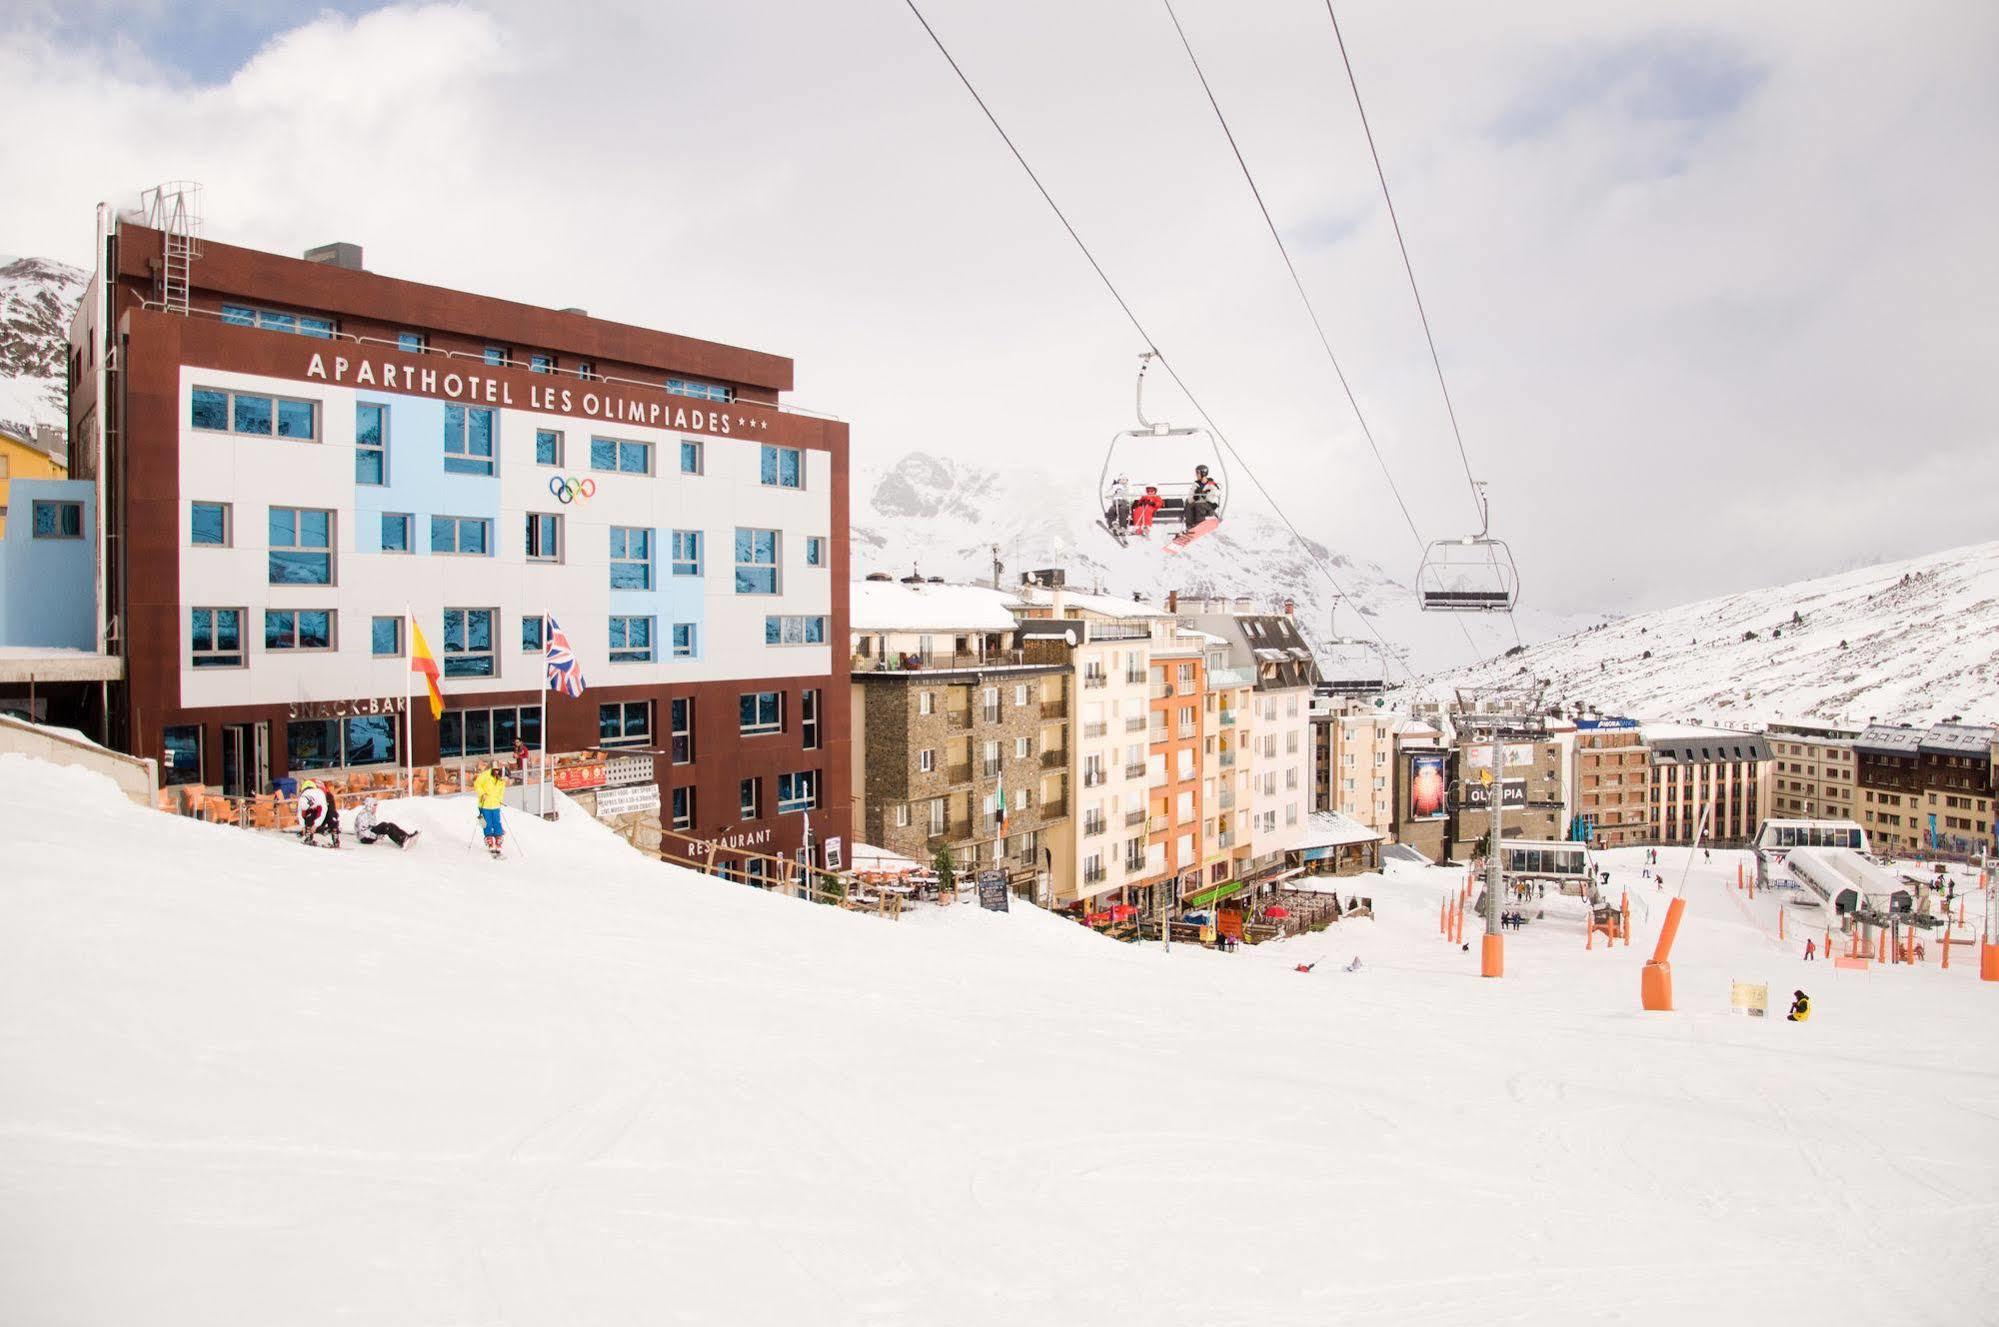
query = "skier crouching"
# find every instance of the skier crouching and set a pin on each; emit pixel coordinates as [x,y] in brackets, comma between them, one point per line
[316,813]
[1801,1008]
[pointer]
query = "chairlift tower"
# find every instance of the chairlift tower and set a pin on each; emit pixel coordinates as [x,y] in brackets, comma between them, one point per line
[1497,716]
[174,209]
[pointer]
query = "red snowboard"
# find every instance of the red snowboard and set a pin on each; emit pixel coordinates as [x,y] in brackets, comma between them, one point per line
[1180,541]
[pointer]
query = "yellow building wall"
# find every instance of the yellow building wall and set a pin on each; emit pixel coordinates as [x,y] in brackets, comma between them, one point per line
[20,460]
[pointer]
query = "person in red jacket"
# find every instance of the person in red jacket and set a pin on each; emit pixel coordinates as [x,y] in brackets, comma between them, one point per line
[1143,508]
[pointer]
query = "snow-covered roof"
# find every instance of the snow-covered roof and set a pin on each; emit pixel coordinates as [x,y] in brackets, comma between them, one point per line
[1960,739]
[1331,829]
[1889,738]
[894,606]
[1103,605]
[1690,732]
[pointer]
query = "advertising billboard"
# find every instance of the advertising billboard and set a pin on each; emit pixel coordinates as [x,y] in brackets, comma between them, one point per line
[1427,799]
[1517,753]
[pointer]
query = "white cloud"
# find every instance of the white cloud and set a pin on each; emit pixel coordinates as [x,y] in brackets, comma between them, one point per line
[1719,286]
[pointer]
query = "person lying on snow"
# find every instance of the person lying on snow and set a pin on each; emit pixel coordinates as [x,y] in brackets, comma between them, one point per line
[369,827]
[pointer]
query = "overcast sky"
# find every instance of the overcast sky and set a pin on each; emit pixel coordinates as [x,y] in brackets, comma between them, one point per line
[1714,284]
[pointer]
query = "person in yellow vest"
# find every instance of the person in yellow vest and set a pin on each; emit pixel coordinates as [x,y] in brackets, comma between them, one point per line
[491,789]
[1801,1008]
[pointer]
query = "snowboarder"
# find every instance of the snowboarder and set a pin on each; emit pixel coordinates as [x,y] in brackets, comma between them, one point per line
[313,808]
[1204,500]
[369,827]
[1801,1008]
[1144,509]
[491,789]
[1355,965]
[1811,949]
[1305,967]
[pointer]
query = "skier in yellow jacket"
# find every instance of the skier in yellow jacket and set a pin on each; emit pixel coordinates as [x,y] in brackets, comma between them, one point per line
[491,789]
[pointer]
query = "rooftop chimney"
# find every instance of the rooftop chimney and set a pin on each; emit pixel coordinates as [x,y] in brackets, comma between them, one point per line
[1172,601]
[338,254]
[580,313]
[1290,607]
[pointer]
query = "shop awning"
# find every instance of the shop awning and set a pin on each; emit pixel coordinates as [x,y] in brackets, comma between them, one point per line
[1202,898]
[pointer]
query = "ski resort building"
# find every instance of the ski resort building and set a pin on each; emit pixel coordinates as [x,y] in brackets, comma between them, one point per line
[956,710]
[1354,762]
[1612,783]
[1813,771]
[1711,774]
[1927,789]
[301,465]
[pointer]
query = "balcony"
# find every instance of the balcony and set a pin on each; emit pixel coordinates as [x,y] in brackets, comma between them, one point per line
[958,774]
[1134,771]
[1223,678]
[1161,690]
[1097,729]
[1136,723]
[1095,681]
[958,720]
[1054,709]
[1133,819]
[1092,826]
[1133,865]
[1054,760]
[939,661]
[1134,679]
[1226,799]
[1094,777]
[955,831]
[1225,839]
[1228,718]
[1227,759]
[1093,875]
[1119,631]
[1187,730]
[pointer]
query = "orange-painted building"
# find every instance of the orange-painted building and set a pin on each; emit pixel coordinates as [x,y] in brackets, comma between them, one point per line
[1175,801]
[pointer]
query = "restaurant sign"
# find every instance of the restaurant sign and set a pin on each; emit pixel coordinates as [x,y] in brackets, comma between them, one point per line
[574,778]
[992,891]
[343,709]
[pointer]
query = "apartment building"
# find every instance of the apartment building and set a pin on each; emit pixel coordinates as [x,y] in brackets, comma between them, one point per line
[954,709]
[1813,771]
[1229,730]
[295,466]
[1422,776]
[1279,749]
[1612,783]
[1102,852]
[1926,789]
[1715,774]
[1353,767]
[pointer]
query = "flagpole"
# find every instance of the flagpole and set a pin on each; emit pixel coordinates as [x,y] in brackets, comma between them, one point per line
[542,784]
[409,703]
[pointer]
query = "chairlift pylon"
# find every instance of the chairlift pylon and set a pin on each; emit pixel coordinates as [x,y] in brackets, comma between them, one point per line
[1123,499]
[1475,574]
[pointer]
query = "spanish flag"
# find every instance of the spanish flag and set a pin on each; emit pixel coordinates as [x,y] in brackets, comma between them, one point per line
[423,661]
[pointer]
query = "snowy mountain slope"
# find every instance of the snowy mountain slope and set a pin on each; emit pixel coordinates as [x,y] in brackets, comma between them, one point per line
[37,298]
[1913,642]
[942,516]
[245,1081]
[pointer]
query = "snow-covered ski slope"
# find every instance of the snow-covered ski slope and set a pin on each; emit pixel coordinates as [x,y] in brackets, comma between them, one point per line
[1904,642]
[246,1082]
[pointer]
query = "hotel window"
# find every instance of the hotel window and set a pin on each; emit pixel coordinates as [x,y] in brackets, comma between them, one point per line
[683,809]
[902,815]
[465,536]
[298,629]
[270,320]
[815,550]
[1023,748]
[631,640]
[794,630]
[926,702]
[547,447]
[926,761]
[808,720]
[684,640]
[623,457]
[704,391]
[488,732]
[301,546]
[544,536]
[468,642]
[1020,695]
[631,558]
[585,369]
[760,712]
[750,799]
[937,814]
[496,355]
[682,716]
[756,561]
[690,457]
[468,440]
[625,723]
[367,739]
[411,342]
[541,363]
[531,629]
[385,635]
[210,524]
[181,745]
[396,532]
[371,443]
[782,467]
[58,520]
[797,792]
[218,637]
[254,414]
[687,552]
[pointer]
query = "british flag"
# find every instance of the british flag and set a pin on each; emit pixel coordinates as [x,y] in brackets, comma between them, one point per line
[564,673]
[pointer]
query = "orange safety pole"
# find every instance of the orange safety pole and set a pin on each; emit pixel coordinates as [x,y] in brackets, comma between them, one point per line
[1947,943]
[1780,921]
[1960,912]
[1655,984]
[1881,955]
[1624,908]
[1738,875]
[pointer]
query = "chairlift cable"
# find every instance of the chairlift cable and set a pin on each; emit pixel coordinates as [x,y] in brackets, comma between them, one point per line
[1132,317]
[1298,283]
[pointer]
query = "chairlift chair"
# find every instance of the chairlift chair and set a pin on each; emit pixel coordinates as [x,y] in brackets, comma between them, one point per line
[1140,468]
[1475,574]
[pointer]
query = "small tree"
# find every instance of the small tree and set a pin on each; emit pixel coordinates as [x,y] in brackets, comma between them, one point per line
[946,867]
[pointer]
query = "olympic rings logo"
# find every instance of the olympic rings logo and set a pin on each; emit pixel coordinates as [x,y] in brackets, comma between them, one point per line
[567,490]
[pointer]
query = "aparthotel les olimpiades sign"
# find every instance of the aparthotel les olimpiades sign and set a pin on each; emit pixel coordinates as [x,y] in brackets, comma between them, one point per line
[595,401]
